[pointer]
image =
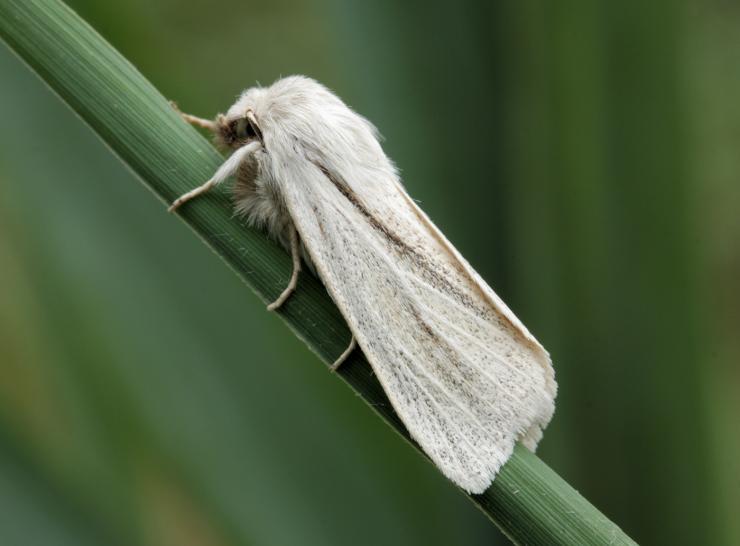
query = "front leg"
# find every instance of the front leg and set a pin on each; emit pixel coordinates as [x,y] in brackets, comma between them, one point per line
[191,194]
[295,253]
[195,120]
[228,168]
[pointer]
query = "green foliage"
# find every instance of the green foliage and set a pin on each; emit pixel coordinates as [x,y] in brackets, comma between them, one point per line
[582,155]
[528,501]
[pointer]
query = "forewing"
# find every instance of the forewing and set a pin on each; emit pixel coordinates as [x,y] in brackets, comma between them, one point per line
[461,371]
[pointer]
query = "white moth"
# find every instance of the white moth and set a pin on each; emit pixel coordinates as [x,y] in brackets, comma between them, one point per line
[463,373]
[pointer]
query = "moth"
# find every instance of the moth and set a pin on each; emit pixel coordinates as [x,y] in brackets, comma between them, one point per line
[465,376]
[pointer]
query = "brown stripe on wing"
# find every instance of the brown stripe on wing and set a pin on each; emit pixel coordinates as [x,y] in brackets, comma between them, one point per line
[403,248]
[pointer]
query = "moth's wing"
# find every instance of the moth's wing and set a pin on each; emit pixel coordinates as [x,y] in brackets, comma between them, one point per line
[464,375]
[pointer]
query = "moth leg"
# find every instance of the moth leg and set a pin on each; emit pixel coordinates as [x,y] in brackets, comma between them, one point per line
[348,351]
[191,194]
[195,120]
[229,167]
[296,254]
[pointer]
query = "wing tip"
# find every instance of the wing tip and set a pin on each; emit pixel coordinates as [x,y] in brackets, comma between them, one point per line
[477,483]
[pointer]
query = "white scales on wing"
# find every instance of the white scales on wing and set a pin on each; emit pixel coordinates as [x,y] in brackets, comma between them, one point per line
[462,372]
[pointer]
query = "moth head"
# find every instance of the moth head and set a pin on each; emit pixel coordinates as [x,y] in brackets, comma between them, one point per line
[299,113]
[234,130]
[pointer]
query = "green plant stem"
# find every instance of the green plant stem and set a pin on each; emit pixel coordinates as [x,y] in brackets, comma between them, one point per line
[528,501]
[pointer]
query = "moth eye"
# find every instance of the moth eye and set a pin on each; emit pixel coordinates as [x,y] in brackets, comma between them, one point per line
[242,128]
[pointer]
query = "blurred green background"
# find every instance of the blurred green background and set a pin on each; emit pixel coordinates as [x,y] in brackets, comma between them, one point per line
[584,156]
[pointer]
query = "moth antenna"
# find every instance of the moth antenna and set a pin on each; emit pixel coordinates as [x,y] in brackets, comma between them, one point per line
[226,169]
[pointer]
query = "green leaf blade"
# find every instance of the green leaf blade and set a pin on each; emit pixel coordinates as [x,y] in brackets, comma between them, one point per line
[528,501]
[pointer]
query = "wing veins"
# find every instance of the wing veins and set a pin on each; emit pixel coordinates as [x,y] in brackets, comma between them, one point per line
[414,278]
[479,344]
[425,372]
[442,413]
[410,276]
[434,422]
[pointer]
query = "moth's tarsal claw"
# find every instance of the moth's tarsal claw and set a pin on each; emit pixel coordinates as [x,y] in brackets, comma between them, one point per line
[190,195]
[282,298]
[345,355]
[179,201]
[195,120]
